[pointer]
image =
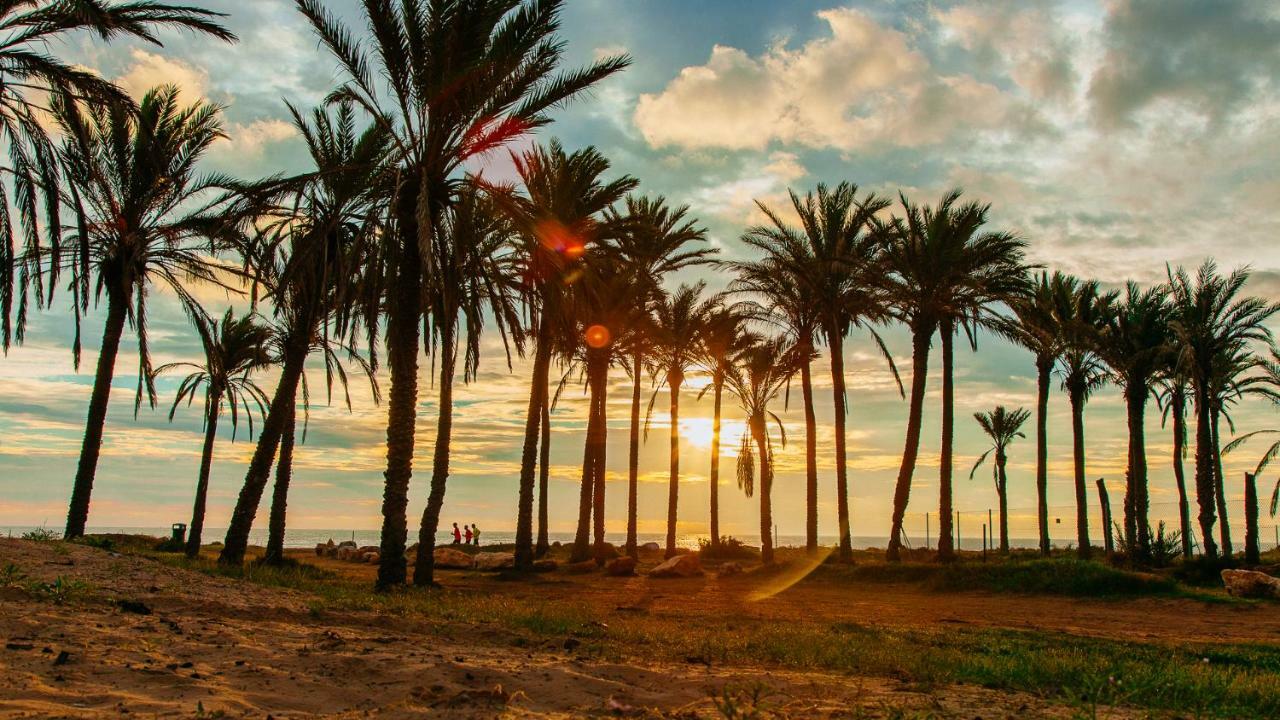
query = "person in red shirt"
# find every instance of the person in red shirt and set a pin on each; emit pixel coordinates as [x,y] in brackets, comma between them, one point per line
[457,535]
[468,528]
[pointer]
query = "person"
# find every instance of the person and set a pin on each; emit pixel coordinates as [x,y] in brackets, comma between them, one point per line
[468,529]
[475,533]
[457,535]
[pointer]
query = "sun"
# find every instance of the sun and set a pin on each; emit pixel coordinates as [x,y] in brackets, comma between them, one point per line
[697,431]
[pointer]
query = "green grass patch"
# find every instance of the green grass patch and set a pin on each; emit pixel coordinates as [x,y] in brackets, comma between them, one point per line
[1047,576]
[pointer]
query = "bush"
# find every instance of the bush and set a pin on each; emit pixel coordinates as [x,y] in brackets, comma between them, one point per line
[1050,576]
[102,542]
[730,548]
[41,535]
[1166,546]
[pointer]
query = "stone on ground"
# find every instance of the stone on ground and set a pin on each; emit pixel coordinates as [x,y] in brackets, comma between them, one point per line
[1250,584]
[683,565]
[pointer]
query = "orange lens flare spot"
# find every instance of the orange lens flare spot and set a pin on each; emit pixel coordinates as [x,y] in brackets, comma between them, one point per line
[598,336]
[557,238]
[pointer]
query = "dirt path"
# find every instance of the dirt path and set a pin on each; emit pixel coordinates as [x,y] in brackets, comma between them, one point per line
[215,645]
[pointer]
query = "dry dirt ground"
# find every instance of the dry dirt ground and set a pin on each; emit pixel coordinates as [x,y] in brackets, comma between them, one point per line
[215,647]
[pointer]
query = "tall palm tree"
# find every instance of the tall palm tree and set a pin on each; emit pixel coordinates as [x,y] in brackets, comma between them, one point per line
[756,380]
[29,28]
[450,80]
[1235,377]
[1002,426]
[724,339]
[234,348]
[316,248]
[148,218]
[943,272]
[471,275]
[1035,327]
[788,302]
[680,323]
[1268,386]
[1082,315]
[1134,344]
[835,253]
[658,240]
[559,217]
[1174,386]
[1211,321]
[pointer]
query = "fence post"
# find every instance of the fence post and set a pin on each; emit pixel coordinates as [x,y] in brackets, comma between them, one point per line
[1105,501]
[957,531]
[926,531]
[1251,541]
[984,543]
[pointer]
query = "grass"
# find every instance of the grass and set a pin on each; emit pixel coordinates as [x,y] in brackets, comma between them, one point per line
[1197,680]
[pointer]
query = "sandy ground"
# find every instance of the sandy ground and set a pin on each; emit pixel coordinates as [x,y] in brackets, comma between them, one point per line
[217,647]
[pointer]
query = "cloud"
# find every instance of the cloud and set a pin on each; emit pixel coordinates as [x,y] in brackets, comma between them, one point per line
[864,85]
[150,70]
[765,180]
[1206,58]
[248,141]
[1027,41]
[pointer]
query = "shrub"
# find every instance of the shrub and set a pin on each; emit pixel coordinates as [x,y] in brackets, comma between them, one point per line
[41,535]
[730,548]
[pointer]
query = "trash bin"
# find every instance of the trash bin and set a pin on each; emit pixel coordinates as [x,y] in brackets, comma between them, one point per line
[180,533]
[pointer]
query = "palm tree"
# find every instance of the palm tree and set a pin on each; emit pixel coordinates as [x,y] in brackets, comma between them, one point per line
[1034,327]
[785,300]
[1268,385]
[724,339]
[26,70]
[943,272]
[1002,426]
[558,218]
[234,348]
[1082,315]
[471,274]
[1174,386]
[835,254]
[316,246]
[1209,322]
[148,219]
[680,323]
[756,380]
[1234,378]
[450,81]
[1134,343]
[656,239]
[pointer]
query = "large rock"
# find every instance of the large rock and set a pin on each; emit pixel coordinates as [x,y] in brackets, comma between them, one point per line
[621,567]
[347,552]
[495,560]
[687,565]
[451,559]
[729,569]
[1250,584]
[651,546]
[323,549]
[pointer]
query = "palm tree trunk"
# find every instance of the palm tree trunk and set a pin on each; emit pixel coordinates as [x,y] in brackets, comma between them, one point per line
[280,494]
[766,488]
[425,563]
[1003,499]
[598,481]
[544,474]
[946,550]
[1224,528]
[810,458]
[921,338]
[78,511]
[1077,447]
[674,380]
[1136,401]
[717,383]
[836,342]
[538,389]
[403,314]
[255,481]
[1178,407]
[1205,489]
[196,531]
[1043,367]
[586,492]
[1251,549]
[633,458]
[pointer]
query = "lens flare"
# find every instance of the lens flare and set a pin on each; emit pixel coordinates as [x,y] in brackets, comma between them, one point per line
[598,336]
[789,576]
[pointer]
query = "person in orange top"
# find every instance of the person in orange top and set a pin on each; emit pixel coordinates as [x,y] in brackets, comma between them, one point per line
[457,535]
[468,529]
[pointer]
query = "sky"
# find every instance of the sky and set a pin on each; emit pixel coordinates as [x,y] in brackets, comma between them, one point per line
[1116,137]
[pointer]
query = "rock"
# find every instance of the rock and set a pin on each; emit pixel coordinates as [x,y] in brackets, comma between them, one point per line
[495,560]
[451,559]
[1250,584]
[729,569]
[581,568]
[651,546]
[369,549]
[345,552]
[347,543]
[621,567]
[133,606]
[606,552]
[324,548]
[372,557]
[545,565]
[684,565]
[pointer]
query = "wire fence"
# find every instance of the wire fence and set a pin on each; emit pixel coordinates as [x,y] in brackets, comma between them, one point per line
[970,526]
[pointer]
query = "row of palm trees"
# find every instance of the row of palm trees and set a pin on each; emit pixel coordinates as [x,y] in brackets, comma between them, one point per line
[388,239]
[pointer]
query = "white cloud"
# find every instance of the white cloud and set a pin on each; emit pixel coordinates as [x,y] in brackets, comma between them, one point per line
[863,85]
[150,70]
[249,140]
